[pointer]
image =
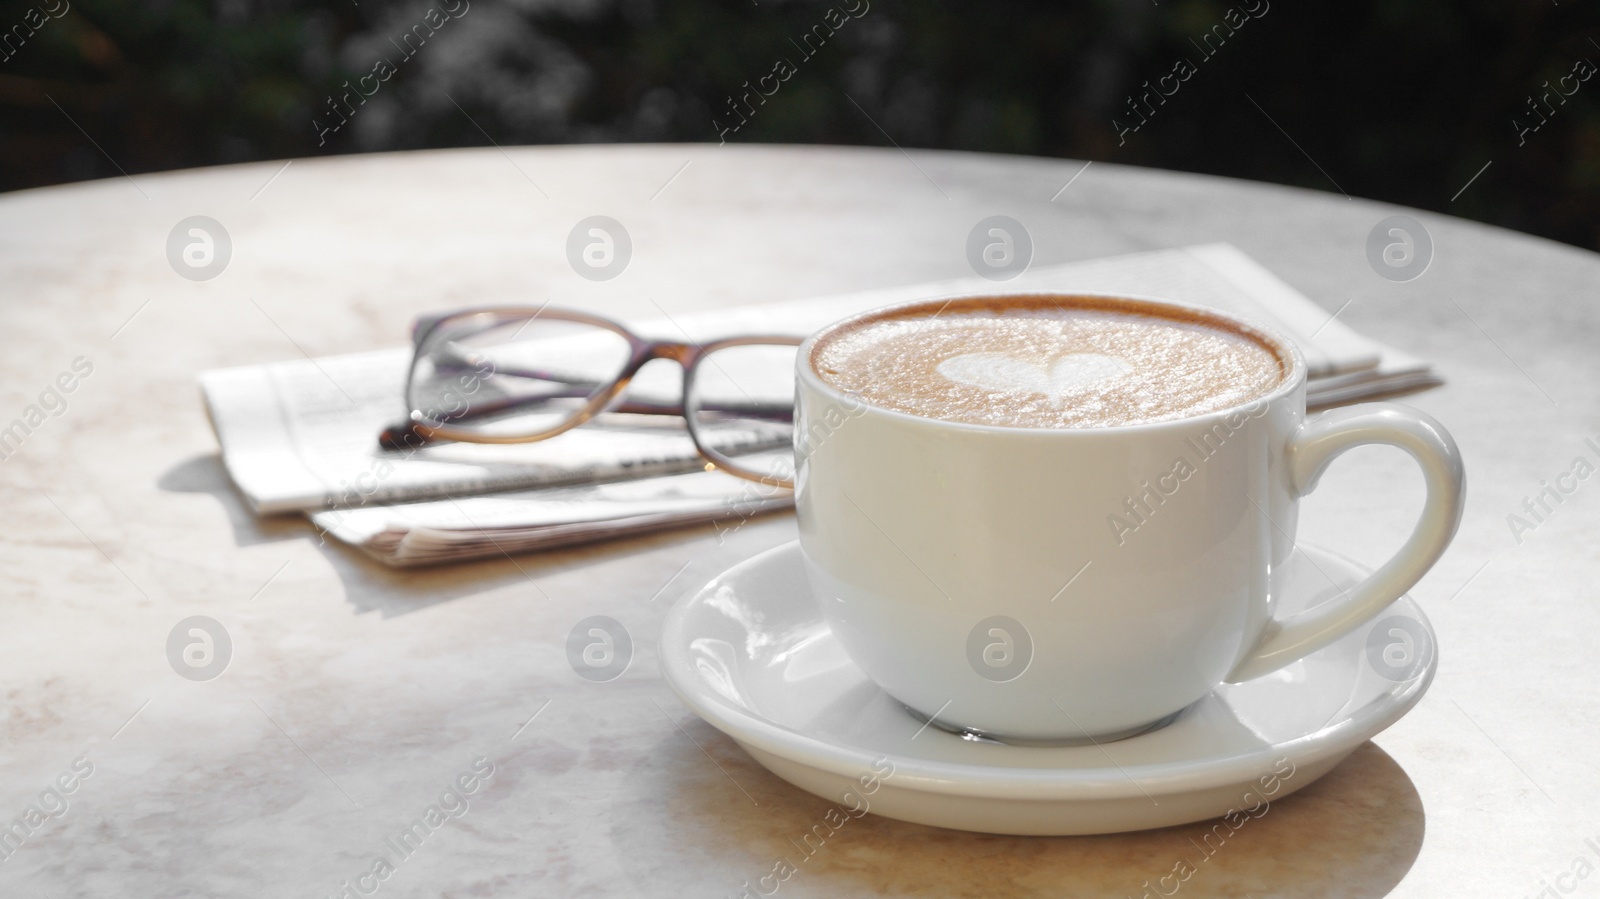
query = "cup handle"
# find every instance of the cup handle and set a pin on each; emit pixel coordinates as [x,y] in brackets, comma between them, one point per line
[1310,448]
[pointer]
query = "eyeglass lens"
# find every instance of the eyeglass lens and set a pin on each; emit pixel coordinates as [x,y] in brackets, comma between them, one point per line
[741,405]
[505,376]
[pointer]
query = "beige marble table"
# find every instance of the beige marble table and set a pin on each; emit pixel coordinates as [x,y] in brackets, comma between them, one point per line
[356,696]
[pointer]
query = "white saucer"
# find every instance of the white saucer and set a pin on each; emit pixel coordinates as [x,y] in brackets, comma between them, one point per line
[750,653]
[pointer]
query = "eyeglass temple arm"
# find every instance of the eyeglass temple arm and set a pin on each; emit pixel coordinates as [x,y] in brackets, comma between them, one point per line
[405,435]
[585,386]
[582,387]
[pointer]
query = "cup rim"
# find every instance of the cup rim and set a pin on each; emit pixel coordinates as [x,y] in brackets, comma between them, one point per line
[1289,353]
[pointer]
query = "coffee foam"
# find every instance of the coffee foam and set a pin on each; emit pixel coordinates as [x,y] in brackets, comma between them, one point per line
[1048,362]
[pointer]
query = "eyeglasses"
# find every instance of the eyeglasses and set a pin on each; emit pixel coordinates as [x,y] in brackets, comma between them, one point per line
[522,374]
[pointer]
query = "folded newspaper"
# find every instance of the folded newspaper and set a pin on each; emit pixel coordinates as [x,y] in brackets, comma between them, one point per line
[301,436]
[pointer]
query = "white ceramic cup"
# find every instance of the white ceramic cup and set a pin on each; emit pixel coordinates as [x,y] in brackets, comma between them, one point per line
[1055,585]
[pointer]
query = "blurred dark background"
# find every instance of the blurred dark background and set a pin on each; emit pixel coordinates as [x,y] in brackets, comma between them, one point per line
[1403,101]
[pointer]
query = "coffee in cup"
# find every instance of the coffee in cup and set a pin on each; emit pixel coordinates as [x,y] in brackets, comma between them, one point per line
[1058,517]
[1038,363]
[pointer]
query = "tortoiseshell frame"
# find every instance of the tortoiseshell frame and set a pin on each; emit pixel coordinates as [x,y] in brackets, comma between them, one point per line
[641,351]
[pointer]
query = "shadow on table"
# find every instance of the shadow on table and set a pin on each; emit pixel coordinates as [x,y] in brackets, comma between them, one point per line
[1353,833]
[205,474]
[371,586]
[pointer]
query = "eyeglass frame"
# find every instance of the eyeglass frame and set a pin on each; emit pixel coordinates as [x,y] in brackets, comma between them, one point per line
[640,352]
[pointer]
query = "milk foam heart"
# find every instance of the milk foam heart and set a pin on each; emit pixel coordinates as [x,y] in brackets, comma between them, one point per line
[1003,373]
[1047,362]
